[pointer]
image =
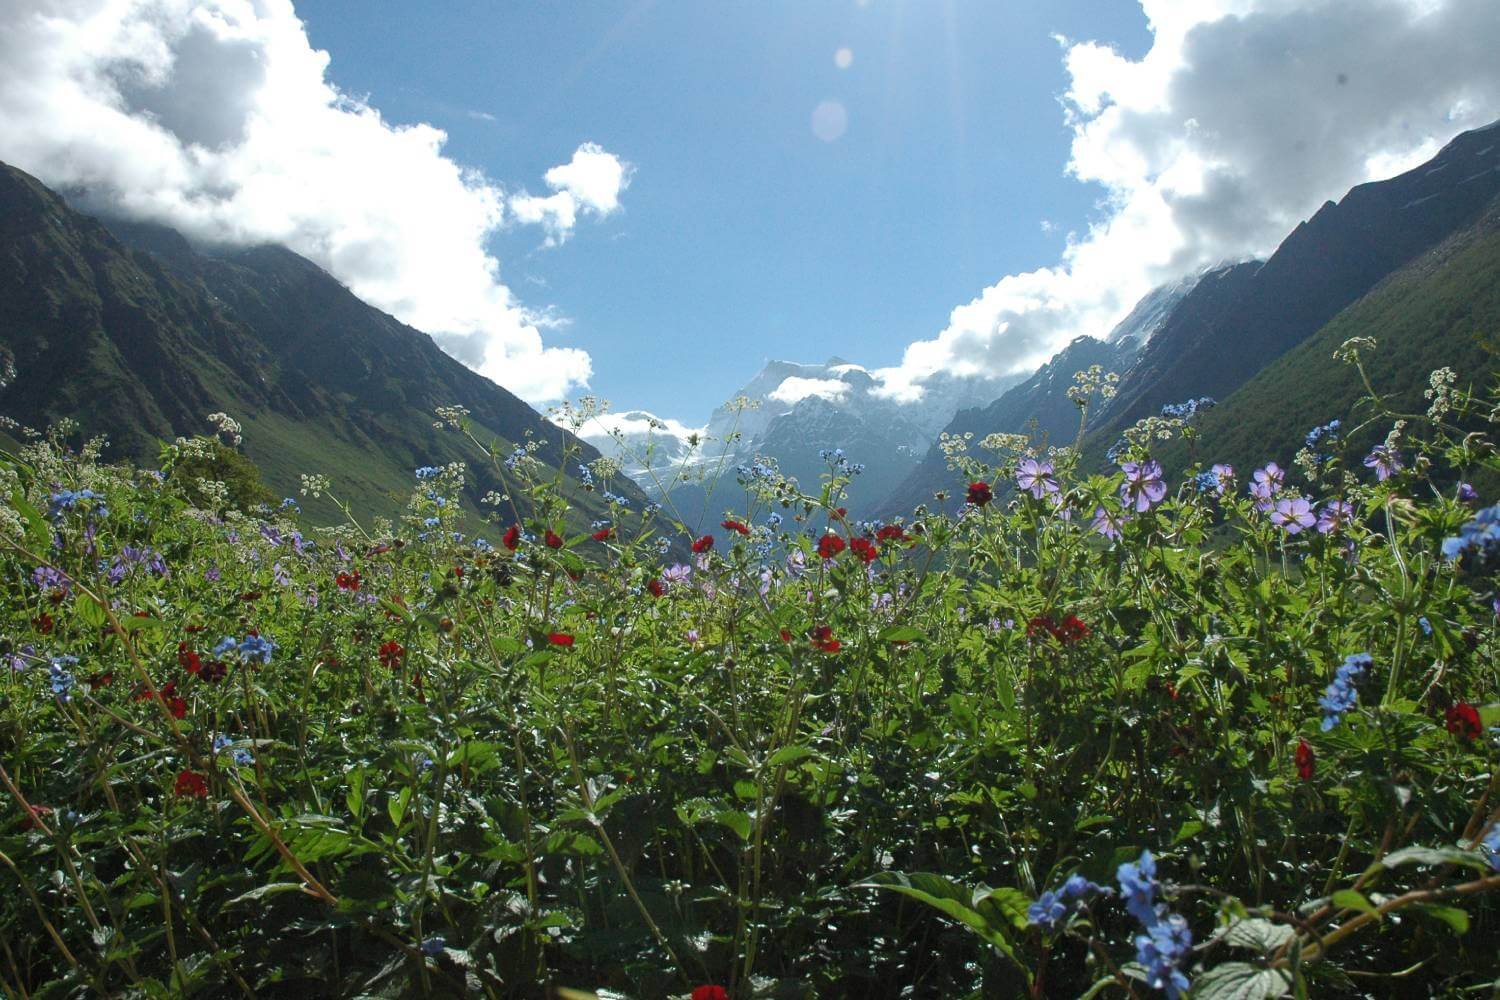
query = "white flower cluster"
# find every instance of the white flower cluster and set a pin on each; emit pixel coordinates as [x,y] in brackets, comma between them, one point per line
[227,428]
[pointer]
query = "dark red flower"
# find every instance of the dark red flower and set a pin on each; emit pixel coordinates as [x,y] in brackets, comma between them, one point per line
[656,588]
[187,659]
[553,539]
[890,533]
[1071,630]
[391,654]
[734,526]
[980,494]
[822,639]
[1463,720]
[191,785]
[1040,626]
[35,816]
[786,636]
[101,680]
[250,595]
[602,534]
[703,544]
[865,549]
[378,550]
[512,537]
[830,545]
[169,697]
[348,581]
[214,671]
[42,623]
[709,993]
[195,628]
[1305,759]
[839,513]
[560,639]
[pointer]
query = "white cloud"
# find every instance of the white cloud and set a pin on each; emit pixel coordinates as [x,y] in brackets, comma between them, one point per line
[794,389]
[590,182]
[1240,121]
[217,117]
[636,422]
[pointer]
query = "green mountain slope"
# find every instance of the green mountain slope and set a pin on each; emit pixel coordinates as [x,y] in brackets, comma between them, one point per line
[138,336]
[1441,309]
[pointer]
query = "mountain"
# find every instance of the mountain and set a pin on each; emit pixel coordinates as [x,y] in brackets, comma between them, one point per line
[792,413]
[1211,346]
[139,335]
[1441,309]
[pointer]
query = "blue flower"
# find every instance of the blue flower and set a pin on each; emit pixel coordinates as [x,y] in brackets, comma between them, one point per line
[62,678]
[1161,950]
[255,647]
[64,501]
[1491,845]
[1385,461]
[1342,695]
[1048,912]
[1138,885]
[1482,535]
[241,756]
[434,946]
[428,472]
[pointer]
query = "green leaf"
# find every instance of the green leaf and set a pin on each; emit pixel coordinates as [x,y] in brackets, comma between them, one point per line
[1351,900]
[953,901]
[1435,856]
[736,820]
[901,633]
[397,805]
[1450,915]
[788,755]
[1258,934]
[1240,981]
[261,892]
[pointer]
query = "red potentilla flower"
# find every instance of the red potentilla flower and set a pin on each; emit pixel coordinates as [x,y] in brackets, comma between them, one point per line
[191,785]
[865,549]
[214,671]
[703,544]
[169,697]
[458,571]
[734,526]
[709,993]
[553,539]
[34,815]
[890,533]
[980,494]
[42,623]
[512,537]
[1040,626]
[101,680]
[655,587]
[602,534]
[786,636]
[1071,630]
[839,513]
[195,628]
[830,545]
[560,639]
[250,595]
[822,638]
[1305,759]
[391,654]
[348,581]
[57,596]
[1463,721]
[187,659]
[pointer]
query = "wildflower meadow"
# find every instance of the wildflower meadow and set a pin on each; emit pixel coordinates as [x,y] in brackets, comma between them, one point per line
[1146,730]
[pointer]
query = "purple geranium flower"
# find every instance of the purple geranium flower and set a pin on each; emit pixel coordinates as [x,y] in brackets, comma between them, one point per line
[1335,515]
[1108,524]
[1293,514]
[1143,484]
[1385,460]
[1037,477]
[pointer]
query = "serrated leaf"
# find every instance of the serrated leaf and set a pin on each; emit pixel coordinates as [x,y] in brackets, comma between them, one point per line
[1258,934]
[1240,981]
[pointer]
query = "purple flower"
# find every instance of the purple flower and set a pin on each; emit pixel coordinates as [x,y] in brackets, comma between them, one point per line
[1108,524]
[47,578]
[1386,462]
[1467,493]
[1293,514]
[1036,477]
[679,573]
[212,573]
[1335,515]
[1265,484]
[1143,484]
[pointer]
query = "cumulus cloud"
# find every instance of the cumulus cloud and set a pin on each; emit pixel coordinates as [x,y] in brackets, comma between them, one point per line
[1244,116]
[795,388]
[590,182]
[637,423]
[217,117]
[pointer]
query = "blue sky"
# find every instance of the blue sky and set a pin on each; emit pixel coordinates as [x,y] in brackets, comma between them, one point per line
[743,235]
[983,193]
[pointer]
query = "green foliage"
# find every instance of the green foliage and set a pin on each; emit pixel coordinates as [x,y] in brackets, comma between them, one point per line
[217,462]
[251,753]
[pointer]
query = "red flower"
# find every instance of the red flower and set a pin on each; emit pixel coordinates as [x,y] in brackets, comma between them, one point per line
[191,785]
[1040,626]
[709,993]
[830,545]
[1305,759]
[822,638]
[890,533]
[175,704]
[703,544]
[980,494]
[101,680]
[602,534]
[560,639]
[214,671]
[786,636]
[391,654]
[195,628]
[512,537]
[43,623]
[839,513]
[734,526]
[553,539]
[655,587]
[187,659]
[35,816]
[1071,630]
[347,581]
[1463,720]
[865,549]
